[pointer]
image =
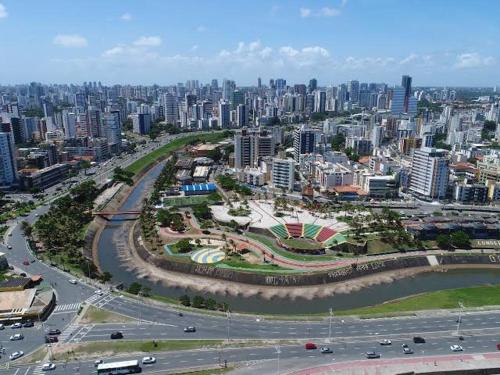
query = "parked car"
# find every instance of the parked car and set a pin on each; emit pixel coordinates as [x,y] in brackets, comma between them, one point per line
[310,346]
[148,360]
[116,335]
[53,331]
[16,337]
[326,350]
[2,326]
[48,366]
[372,355]
[28,324]
[418,340]
[16,355]
[190,329]
[51,339]
[16,325]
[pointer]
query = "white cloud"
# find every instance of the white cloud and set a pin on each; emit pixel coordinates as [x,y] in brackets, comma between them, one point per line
[305,12]
[343,3]
[409,59]
[194,48]
[3,11]
[70,41]
[473,60]
[126,17]
[148,41]
[329,12]
[201,29]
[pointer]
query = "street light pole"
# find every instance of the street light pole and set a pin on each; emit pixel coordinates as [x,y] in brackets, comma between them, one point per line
[278,351]
[461,305]
[330,326]
[228,316]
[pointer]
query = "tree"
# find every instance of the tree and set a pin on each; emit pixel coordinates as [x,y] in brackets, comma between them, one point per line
[183,246]
[146,291]
[443,241]
[85,164]
[338,142]
[106,277]
[134,288]
[185,300]
[122,175]
[210,304]
[198,302]
[460,239]
[26,228]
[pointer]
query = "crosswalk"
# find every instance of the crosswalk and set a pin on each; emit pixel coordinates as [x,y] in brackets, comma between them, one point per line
[68,307]
[38,370]
[100,300]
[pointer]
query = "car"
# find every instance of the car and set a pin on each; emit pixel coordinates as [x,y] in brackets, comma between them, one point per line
[16,325]
[22,274]
[16,355]
[385,342]
[54,331]
[407,350]
[16,337]
[325,350]
[26,263]
[48,366]
[148,360]
[180,314]
[498,346]
[418,340]
[28,324]
[99,292]
[2,326]
[73,281]
[51,339]
[456,348]
[310,346]
[116,335]
[190,329]
[372,355]
[97,362]
[9,247]
[205,231]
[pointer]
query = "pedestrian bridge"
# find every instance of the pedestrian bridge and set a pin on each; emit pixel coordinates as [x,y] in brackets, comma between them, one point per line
[118,215]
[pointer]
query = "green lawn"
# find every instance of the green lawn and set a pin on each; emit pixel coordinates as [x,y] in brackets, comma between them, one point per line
[188,201]
[176,144]
[443,299]
[287,254]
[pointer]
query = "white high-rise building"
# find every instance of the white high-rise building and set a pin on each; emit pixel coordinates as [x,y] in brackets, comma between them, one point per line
[283,174]
[112,124]
[377,136]
[251,145]
[69,124]
[170,108]
[429,173]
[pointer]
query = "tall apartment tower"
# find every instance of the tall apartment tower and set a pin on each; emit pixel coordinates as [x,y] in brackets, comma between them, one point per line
[429,173]
[224,115]
[283,174]
[406,84]
[303,142]
[353,88]
[8,167]
[251,145]
[170,108]
[398,101]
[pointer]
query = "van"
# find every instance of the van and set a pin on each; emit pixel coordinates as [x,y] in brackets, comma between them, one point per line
[310,346]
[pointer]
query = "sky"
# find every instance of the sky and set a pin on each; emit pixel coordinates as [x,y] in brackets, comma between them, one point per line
[437,42]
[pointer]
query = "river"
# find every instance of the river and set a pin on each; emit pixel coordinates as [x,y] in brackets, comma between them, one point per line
[425,282]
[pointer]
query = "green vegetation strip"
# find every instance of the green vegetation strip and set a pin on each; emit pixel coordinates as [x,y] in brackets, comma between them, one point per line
[443,299]
[287,254]
[176,144]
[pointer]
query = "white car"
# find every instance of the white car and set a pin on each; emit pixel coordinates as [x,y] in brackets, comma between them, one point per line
[99,292]
[73,281]
[2,326]
[148,360]
[16,355]
[385,342]
[16,325]
[97,362]
[456,348]
[48,366]
[16,337]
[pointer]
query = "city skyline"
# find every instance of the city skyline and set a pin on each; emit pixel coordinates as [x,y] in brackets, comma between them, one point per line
[333,41]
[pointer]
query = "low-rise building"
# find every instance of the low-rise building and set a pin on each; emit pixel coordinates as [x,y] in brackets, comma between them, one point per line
[252,176]
[470,193]
[44,178]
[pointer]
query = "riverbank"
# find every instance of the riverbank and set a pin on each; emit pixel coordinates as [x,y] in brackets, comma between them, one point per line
[480,296]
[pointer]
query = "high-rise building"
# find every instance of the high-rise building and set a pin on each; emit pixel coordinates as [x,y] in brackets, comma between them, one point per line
[320,101]
[313,85]
[429,173]
[141,123]
[353,89]
[398,101]
[406,84]
[241,115]
[112,124]
[94,122]
[250,145]
[237,98]
[69,124]
[303,142]
[224,115]
[170,108]
[8,167]
[283,174]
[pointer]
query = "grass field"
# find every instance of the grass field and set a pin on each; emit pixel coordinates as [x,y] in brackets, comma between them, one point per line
[443,299]
[188,201]
[303,244]
[96,315]
[176,144]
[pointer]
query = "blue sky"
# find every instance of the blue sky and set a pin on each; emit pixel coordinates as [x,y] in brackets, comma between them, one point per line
[438,42]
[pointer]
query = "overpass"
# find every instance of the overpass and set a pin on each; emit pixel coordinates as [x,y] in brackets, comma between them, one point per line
[126,214]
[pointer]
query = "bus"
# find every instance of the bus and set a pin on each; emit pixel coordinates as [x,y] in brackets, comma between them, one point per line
[115,368]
